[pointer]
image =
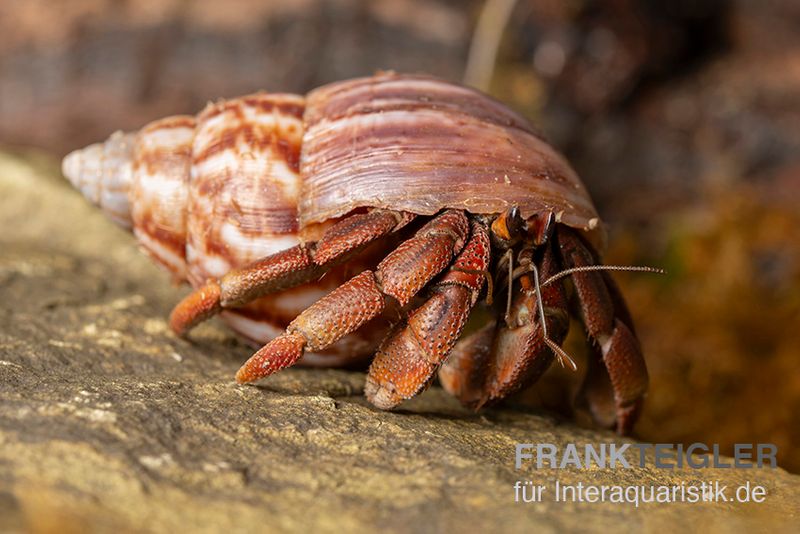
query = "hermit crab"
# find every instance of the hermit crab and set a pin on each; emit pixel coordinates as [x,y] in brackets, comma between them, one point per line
[384,213]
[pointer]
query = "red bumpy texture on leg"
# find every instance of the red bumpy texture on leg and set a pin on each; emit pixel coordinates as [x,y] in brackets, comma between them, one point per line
[408,359]
[362,298]
[326,321]
[197,307]
[285,269]
[610,328]
[404,272]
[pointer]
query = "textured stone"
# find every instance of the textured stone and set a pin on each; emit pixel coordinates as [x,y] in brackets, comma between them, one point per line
[110,423]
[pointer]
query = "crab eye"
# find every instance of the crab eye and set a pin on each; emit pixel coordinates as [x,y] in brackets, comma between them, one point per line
[509,225]
[540,227]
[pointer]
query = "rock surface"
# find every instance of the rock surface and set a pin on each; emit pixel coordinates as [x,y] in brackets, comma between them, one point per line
[110,423]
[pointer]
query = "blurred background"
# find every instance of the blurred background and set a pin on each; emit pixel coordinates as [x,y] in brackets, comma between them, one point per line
[682,117]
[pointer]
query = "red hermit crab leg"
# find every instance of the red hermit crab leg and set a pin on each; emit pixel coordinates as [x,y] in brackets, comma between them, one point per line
[401,275]
[521,353]
[285,269]
[463,373]
[408,359]
[607,322]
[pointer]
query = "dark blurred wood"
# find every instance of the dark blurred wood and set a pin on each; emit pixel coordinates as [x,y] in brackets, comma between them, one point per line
[73,72]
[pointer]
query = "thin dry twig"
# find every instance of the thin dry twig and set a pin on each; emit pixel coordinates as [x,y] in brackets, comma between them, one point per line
[486,41]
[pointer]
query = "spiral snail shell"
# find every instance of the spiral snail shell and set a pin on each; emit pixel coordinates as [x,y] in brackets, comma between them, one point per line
[253,175]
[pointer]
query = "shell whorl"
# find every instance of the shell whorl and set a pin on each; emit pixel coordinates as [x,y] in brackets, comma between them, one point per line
[245,181]
[102,172]
[203,194]
[210,193]
[373,141]
[162,160]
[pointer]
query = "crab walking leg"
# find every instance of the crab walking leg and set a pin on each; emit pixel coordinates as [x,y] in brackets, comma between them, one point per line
[620,306]
[285,269]
[596,393]
[408,359]
[401,275]
[520,354]
[463,373]
[606,321]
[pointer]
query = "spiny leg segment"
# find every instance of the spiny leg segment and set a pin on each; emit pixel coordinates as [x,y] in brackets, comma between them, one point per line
[614,343]
[287,268]
[401,275]
[410,356]
[464,372]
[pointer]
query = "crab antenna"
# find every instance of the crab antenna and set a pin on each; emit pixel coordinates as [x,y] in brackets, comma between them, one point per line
[510,256]
[587,268]
[559,352]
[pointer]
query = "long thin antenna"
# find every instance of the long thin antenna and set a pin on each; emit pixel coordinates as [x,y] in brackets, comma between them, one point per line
[510,256]
[482,56]
[559,352]
[588,268]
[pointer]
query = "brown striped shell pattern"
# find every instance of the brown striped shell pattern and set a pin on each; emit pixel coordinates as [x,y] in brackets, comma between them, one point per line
[252,176]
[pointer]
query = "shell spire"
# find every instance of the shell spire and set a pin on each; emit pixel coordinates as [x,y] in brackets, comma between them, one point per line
[102,172]
[212,192]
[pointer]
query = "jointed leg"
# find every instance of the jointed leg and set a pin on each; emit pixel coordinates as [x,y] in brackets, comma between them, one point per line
[401,275]
[609,327]
[408,359]
[463,373]
[285,269]
[520,352]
